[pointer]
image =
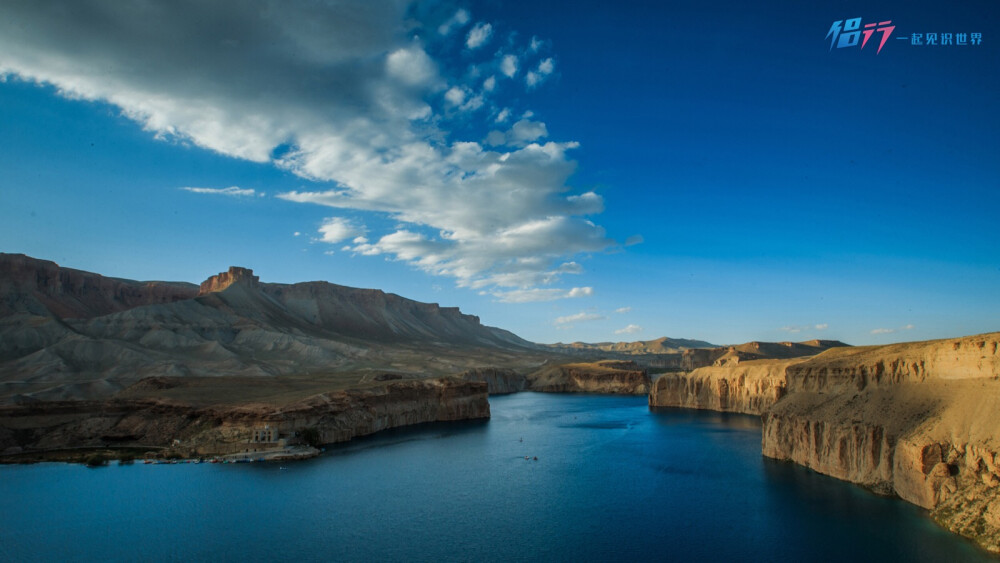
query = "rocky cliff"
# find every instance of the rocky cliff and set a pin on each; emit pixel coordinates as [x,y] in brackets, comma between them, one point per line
[499,381]
[918,420]
[148,417]
[749,387]
[223,280]
[613,376]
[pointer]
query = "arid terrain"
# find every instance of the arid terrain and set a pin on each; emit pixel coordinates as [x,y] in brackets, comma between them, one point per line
[238,366]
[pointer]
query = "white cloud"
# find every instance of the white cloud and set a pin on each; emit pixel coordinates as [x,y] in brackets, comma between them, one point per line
[490,83]
[455,96]
[456,21]
[336,229]
[296,234]
[532,79]
[630,329]
[892,330]
[623,310]
[504,115]
[634,240]
[230,191]
[536,295]
[535,44]
[345,94]
[546,66]
[508,65]
[578,318]
[479,35]
[805,328]
[521,134]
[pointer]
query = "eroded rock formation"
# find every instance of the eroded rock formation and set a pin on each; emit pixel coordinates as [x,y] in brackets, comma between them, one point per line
[223,280]
[613,376]
[749,387]
[499,381]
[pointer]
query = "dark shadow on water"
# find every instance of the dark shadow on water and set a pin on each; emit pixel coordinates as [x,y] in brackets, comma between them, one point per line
[877,525]
[720,421]
[404,434]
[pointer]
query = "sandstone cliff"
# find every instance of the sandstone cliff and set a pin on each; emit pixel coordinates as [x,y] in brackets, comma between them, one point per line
[749,387]
[223,280]
[148,416]
[616,377]
[499,381]
[918,420]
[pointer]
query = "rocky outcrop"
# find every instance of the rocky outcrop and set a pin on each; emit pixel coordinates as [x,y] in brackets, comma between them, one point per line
[499,381]
[223,280]
[191,429]
[614,377]
[749,388]
[918,420]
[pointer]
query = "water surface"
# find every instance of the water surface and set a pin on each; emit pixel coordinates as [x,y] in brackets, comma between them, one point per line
[612,481]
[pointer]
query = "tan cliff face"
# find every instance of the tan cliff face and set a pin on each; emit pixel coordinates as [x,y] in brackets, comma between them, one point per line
[614,377]
[499,381]
[749,387]
[918,420]
[222,281]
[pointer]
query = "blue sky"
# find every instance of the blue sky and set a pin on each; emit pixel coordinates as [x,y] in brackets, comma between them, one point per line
[589,171]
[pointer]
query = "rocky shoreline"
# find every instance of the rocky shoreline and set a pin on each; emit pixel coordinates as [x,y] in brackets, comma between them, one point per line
[165,429]
[914,420]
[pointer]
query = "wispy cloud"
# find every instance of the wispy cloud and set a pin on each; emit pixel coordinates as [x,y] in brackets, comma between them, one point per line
[578,318]
[805,328]
[623,310]
[479,35]
[396,130]
[337,229]
[630,329]
[234,191]
[539,294]
[892,330]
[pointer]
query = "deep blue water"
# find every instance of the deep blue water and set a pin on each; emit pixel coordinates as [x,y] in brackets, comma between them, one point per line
[613,481]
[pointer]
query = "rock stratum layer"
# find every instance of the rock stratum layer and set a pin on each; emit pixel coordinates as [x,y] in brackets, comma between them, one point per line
[609,376]
[918,420]
[151,416]
[749,388]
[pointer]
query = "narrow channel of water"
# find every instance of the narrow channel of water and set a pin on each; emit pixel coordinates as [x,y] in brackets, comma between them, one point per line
[613,481]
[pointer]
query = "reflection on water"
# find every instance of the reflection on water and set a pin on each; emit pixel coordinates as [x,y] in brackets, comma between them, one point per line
[613,481]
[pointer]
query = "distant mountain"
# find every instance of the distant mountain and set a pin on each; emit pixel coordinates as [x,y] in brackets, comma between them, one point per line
[662,345]
[674,354]
[67,334]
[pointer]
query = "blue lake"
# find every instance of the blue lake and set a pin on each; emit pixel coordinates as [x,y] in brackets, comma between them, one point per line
[613,481]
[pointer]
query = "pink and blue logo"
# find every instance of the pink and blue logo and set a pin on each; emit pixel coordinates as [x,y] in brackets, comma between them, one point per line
[848,33]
